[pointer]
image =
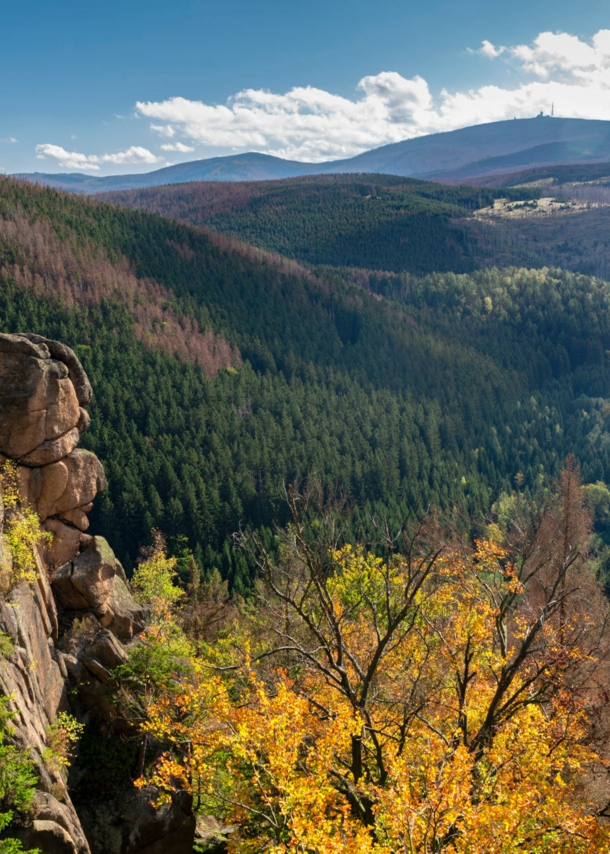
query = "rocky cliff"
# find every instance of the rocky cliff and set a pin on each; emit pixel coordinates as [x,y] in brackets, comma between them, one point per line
[73,621]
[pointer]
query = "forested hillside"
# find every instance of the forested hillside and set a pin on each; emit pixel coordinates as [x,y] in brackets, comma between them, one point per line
[380,222]
[555,175]
[220,373]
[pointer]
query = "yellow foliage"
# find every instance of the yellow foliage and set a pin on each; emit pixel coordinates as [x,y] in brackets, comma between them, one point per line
[265,759]
[22,531]
[61,737]
[153,585]
[273,751]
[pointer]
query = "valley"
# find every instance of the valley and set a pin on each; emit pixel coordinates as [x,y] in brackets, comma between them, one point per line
[350,435]
[223,372]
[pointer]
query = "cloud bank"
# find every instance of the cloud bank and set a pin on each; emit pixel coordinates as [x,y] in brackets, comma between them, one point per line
[306,123]
[93,162]
[311,124]
[177,146]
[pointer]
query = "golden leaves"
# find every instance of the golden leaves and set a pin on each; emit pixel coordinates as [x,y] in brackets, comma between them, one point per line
[461,740]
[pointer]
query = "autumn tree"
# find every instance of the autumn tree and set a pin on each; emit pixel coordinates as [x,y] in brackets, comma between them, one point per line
[434,698]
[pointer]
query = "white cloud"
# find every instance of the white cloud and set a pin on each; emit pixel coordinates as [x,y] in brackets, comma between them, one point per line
[307,123]
[490,50]
[177,146]
[92,162]
[164,130]
[560,53]
[9,139]
[134,154]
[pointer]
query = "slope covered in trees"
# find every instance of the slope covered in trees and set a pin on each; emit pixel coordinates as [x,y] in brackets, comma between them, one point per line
[557,174]
[374,221]
[381,222]
[220,373]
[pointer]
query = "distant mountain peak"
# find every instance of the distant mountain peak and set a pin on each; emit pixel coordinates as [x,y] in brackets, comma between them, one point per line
[448,156]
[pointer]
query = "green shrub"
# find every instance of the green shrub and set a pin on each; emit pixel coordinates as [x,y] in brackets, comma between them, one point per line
[17,780]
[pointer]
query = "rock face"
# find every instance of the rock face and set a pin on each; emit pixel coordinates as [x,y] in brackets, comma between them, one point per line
[34,677]
[96,581]
[70,626]
[43,392]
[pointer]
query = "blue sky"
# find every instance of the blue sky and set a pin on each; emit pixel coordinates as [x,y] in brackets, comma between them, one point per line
[130,86]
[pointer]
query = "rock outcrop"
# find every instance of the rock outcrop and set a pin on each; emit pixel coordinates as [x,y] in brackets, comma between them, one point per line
[70,626]
[95,580]
[43,394]
[34,677]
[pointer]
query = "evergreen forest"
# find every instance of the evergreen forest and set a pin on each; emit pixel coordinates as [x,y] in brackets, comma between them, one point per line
[379,222]
[222,373]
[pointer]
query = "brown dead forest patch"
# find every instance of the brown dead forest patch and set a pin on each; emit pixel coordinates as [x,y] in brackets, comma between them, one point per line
[83,275]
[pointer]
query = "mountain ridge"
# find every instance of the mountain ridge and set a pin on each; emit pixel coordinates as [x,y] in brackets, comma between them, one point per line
[434,156]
